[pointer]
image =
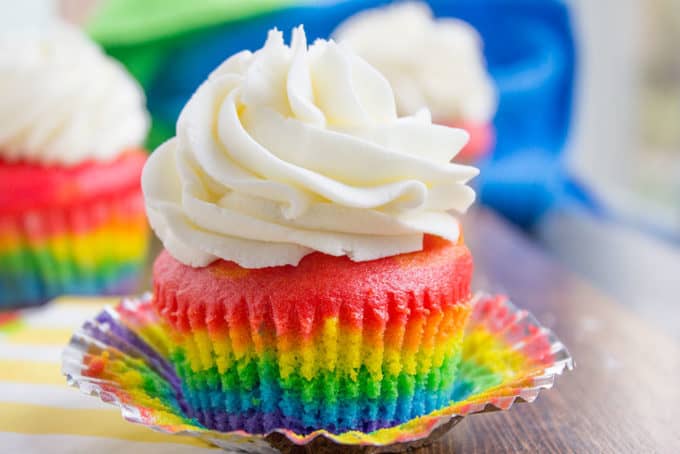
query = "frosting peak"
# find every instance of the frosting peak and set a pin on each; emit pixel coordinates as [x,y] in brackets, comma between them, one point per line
[433,63]
[63,100]
[291,150]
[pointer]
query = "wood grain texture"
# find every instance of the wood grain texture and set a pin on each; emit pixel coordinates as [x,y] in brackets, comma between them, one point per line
[623,396]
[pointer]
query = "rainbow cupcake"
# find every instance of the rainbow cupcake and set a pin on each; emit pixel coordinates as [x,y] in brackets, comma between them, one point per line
[314,276]
[71,209]
[328,344]
[431,63]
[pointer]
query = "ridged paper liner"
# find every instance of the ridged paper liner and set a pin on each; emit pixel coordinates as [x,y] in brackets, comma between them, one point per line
[507,357]
[92,248]
[307,369]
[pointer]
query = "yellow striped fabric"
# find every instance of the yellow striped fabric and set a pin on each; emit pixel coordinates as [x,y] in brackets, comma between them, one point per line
[38,411]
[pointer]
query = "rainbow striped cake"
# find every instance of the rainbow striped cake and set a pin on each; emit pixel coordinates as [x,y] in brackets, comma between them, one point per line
[328,344]
[70,230]
[122,355]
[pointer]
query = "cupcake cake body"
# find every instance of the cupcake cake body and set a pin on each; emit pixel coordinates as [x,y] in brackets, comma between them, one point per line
[314,275]
[433,63]
[71,208]
[329,343]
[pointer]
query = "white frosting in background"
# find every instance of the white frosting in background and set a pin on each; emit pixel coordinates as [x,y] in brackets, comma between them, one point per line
[62,100]
[433,63]
[292,150]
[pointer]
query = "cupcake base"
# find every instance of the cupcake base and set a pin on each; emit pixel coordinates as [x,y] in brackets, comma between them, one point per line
[336,381]
[329,343]
[95,248]
[86,234]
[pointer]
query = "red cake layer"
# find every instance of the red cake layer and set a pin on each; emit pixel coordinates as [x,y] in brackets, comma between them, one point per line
[480,143]
[25,186]
[320,286]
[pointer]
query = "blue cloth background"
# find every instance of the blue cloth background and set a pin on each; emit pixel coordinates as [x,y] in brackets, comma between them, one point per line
[530,53]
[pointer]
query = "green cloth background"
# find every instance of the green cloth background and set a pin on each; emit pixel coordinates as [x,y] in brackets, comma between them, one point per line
[142,33]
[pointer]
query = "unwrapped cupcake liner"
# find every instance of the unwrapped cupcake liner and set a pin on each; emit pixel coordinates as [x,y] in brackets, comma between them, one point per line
[122,357]
[95,247]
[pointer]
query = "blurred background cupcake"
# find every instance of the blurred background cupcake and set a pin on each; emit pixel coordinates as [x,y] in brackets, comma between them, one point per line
[431,63]
[71,125]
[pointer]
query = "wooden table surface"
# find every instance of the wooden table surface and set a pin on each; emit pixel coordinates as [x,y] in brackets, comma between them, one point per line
[623,396]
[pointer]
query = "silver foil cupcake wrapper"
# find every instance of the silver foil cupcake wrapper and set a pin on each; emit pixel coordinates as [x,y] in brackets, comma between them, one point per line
[121,356]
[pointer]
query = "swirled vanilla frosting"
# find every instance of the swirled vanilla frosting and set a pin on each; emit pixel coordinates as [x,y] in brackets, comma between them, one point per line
[62,100]
[433,63]
[291,150]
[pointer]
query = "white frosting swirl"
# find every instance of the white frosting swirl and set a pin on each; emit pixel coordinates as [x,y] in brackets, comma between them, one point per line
[292,150]
[430,63]
[63,100]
